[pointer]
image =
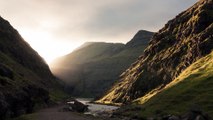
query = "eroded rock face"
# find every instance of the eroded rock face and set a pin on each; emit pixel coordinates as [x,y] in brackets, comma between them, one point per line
[181,42]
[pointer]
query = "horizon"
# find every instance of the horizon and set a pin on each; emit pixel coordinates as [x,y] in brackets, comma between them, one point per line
[50,29]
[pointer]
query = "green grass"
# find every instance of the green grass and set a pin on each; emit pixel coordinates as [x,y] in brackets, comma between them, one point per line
[192,89]
[58,95]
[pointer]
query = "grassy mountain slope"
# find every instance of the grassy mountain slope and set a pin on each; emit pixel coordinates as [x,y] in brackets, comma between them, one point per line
[181,42]
[192,89]
[26,81]
[92,68]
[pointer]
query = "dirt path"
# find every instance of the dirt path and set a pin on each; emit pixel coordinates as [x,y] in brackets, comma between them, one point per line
[57,113]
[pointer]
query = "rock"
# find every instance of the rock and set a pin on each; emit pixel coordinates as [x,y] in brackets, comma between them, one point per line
[193,114]
[196,114]
[166,117]
[199,117]
[78,106]
[5,71]
[173,117]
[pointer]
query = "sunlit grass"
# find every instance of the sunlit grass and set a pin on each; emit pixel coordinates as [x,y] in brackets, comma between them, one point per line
[193,88]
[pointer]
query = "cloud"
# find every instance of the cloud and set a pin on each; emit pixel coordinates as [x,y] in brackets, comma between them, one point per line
[78,21]
[92,18]
[134,15]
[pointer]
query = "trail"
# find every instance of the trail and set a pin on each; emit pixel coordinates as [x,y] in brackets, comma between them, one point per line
[57,113]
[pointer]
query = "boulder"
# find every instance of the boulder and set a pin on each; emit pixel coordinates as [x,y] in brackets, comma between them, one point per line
[78,106]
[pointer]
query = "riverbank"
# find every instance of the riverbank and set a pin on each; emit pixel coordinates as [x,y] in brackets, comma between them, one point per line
[97,110]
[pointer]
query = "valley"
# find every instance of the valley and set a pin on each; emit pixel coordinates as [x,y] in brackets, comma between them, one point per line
[164,75]
[92,68]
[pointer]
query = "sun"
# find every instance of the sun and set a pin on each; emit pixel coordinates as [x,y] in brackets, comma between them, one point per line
[45,44]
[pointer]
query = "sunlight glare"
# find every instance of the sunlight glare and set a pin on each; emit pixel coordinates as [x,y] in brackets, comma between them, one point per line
[45,44]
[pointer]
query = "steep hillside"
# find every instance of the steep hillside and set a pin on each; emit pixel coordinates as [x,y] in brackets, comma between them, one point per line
[92,68]
[25,79]
[182,41]
[192,89]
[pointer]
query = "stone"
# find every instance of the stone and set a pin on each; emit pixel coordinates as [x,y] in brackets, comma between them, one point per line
[173,117]
[78,106]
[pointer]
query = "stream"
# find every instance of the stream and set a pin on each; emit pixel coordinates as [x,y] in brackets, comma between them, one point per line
[97,109]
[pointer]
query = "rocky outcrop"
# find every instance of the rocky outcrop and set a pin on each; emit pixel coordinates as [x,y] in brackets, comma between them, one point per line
[181,42]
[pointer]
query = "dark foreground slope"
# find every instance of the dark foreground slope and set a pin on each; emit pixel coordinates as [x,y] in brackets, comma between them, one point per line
[25,79]
[182,41]
[91,69]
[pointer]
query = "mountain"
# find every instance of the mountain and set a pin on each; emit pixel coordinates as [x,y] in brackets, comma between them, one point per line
[181,42]
[142,37]
[92,68]
[191,90]
[26,82]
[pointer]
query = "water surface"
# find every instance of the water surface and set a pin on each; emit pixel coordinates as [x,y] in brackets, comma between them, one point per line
[97,109]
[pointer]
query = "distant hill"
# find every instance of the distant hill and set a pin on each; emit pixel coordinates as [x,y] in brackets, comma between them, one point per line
[93,68]
[26,82]
[175,72]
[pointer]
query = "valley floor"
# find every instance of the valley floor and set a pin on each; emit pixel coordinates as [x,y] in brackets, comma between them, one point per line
[56,113]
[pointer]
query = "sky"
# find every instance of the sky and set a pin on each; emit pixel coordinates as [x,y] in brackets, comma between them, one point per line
[57,27]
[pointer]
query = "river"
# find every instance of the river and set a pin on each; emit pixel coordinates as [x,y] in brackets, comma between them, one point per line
[97,109]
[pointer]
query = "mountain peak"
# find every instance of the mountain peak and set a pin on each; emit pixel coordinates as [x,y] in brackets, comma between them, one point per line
[142,37]
[143,32]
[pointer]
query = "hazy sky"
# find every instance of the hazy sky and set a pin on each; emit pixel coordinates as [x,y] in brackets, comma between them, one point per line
[56,27]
